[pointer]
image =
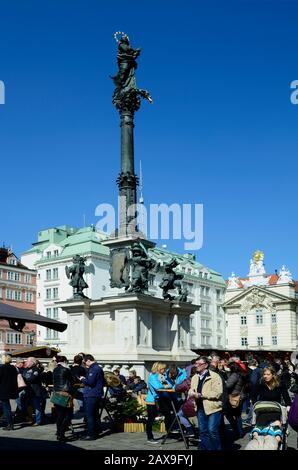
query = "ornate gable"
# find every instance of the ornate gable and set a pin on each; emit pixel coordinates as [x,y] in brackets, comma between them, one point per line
[257,297]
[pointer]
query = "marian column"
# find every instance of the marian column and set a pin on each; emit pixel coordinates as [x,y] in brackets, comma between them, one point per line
[130,260]
[127,100]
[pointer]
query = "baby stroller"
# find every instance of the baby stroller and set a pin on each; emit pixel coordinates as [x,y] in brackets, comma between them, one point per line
[270,425]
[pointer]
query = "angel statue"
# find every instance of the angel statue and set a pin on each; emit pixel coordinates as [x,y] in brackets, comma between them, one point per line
[75,274]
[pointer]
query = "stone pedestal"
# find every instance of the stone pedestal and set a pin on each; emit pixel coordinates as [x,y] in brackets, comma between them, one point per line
[129,329]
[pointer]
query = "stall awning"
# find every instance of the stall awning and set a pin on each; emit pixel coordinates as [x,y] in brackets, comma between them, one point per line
[38,351]
[17,317]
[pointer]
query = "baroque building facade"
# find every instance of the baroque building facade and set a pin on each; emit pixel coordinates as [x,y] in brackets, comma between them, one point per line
[55,249]
[17,288]
[262,309]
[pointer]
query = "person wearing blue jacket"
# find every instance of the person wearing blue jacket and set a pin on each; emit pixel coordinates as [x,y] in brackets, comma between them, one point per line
[174,376]
[156,381]
[92,392]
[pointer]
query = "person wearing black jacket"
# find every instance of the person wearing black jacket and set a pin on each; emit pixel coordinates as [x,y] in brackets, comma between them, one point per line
[8,388]
[77,370]
[63,382]
[271,388]
[33,378]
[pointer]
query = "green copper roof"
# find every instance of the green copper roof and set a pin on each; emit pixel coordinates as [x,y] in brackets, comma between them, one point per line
[190,260]
[74,241]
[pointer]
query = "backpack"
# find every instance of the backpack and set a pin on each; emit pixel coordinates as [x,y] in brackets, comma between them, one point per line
[293,414]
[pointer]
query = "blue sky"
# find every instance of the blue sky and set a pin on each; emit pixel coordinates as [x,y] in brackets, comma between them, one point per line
[222,130]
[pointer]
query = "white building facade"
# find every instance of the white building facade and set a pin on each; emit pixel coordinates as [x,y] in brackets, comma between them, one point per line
[54,251]
[262,309]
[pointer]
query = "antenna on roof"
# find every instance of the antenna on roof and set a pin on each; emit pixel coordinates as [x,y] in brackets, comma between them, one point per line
[84,220]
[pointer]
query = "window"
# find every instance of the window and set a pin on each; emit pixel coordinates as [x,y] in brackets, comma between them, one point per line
[189,270]
[273,318]
[243,320]
[206,275]
[48,312]
[28,279]
[207,291]
[48,294]
[55,273]
[203,290]
[55,335]
[56,253]
[219,325]
[55,313]
[151,279]
[55,293]
[12,261]
[218,340]
[274,340]
[29,297]
[17,295]
[205,323]
[29,340]
[51,334]
[260,341]
[48,275]
[12,276]
[9,338]
[259,318]
[205,339]
[218,310]
[13,294]
[218,294]
[244,342]
[48,254]
[189,286]
[14,338]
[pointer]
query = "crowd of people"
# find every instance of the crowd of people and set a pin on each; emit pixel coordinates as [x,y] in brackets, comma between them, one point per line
[207,394]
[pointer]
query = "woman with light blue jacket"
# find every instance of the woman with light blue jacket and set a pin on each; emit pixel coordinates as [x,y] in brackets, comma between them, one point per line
[156,381]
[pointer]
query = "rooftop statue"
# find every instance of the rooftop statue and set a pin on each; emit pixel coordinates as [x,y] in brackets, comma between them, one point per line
[75,274]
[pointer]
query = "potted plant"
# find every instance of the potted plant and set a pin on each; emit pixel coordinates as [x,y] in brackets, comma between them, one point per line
[129,416]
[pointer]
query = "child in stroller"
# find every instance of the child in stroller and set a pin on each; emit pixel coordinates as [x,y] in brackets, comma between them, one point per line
[269,431]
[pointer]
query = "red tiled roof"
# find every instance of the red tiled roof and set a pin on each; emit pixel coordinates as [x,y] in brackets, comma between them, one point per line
[273,278]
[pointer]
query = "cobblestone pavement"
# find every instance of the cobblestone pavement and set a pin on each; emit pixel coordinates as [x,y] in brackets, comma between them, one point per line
[27,437]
